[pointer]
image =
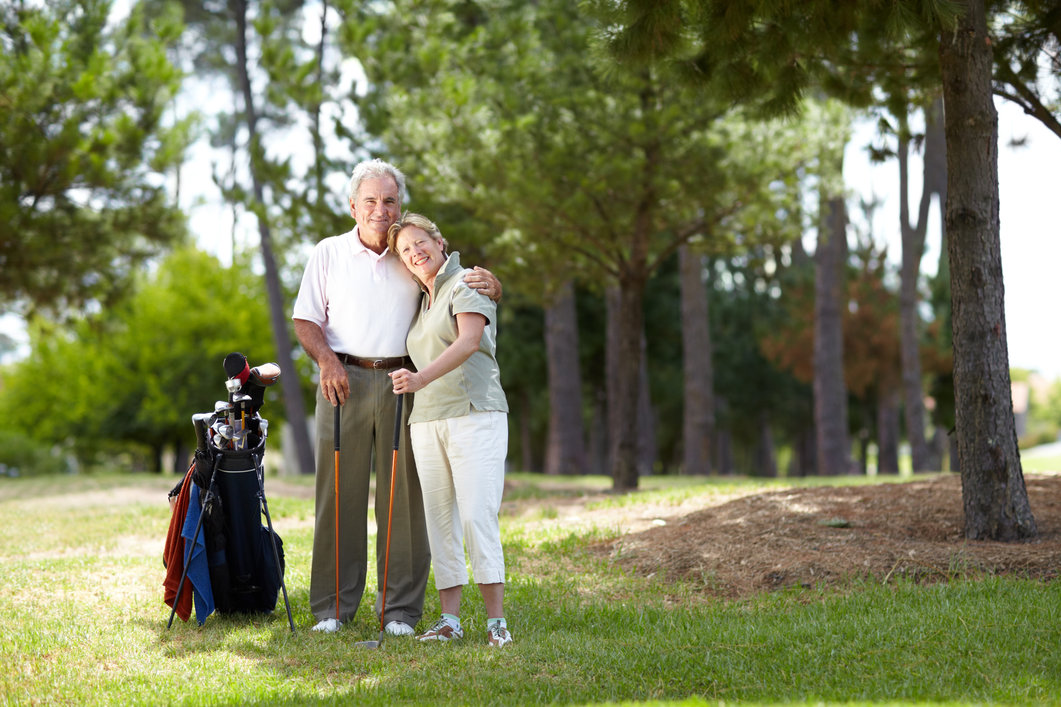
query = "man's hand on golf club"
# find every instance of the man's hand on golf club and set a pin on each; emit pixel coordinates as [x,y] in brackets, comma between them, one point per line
[334,383]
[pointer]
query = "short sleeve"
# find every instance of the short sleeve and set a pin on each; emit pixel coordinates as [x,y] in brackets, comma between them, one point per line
[465,300]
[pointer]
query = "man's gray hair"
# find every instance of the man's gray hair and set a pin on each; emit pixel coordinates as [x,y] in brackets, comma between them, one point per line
[375,169]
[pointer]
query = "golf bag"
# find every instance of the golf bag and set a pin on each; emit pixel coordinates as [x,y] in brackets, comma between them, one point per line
[231,562]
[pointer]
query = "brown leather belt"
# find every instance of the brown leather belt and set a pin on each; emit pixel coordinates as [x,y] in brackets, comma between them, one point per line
[377,363]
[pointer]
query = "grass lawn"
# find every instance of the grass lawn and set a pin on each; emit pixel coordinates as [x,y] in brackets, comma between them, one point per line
[83,622]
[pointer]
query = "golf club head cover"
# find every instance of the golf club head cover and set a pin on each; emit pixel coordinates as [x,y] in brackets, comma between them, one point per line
[266,374]
[201,423]
[204,467]
[236,367]
[260,378]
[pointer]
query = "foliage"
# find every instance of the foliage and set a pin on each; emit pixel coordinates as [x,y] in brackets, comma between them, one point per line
[84,149]
[773,54]
[1027,39]
[134,375]
[575,168]
[747,307]
[24,456]
[871,329]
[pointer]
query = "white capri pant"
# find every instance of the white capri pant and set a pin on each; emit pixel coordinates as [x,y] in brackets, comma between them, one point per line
[461,464]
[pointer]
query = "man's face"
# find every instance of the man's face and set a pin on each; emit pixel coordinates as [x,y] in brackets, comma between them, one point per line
[376,206]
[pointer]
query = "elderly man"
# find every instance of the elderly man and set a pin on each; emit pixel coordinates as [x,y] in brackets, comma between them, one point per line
[352,314]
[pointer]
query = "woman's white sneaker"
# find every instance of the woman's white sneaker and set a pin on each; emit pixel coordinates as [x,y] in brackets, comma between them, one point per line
[498,635]
[443,630]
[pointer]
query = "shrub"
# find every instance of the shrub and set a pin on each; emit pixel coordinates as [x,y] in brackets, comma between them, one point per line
[23,456]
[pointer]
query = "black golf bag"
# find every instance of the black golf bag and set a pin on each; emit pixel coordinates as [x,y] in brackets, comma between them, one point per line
[244,572]
[233,562]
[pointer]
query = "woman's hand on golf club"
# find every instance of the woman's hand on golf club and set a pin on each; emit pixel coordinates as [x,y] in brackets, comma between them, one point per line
[406,381]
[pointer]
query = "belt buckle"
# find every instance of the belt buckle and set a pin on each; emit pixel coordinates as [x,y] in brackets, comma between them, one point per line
[379,363]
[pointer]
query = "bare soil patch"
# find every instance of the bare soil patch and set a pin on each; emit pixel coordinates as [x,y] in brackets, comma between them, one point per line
[832,535]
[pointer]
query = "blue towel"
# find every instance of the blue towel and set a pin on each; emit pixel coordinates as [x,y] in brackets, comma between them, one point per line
[195,559]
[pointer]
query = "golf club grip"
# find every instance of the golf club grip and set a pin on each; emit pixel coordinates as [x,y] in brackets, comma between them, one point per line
[398,421]
[337,425]
[201,442]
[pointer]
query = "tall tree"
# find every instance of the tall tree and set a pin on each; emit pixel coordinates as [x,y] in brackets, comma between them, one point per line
[934,183]
[830,303]
[565,451]
[85,147]
[252,49]
[278,311]
[830,393]
[699,409]
[993,492]
[769,52]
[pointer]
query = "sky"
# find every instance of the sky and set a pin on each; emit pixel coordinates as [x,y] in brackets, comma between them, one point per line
[1030,229]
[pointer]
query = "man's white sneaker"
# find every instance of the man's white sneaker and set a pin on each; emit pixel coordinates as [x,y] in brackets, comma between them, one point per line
[399,628]
[328,626]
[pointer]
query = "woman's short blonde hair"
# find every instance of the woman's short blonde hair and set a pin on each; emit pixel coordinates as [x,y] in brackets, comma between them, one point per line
[419,221]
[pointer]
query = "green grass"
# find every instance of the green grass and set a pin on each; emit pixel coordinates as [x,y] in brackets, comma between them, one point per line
[82,622]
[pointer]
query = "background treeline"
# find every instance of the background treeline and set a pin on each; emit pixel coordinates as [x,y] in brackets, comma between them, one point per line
[685,278]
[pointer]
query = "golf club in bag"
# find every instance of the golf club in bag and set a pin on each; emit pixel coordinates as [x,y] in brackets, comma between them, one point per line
[231,562]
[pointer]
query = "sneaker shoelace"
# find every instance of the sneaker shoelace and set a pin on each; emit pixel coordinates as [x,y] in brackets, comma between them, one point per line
[439,625]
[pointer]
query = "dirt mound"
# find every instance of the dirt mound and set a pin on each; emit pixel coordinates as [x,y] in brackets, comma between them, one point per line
[831,535]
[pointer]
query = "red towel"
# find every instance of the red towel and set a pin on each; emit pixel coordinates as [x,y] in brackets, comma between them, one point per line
[173,555]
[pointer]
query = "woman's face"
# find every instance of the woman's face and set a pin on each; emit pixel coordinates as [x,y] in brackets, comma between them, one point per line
[421,253]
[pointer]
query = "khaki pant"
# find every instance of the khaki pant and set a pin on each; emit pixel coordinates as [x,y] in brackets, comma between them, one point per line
[367,430]
[461,463]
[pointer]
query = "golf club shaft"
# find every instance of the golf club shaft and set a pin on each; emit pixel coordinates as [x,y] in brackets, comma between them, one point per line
[390,512]
[337,433]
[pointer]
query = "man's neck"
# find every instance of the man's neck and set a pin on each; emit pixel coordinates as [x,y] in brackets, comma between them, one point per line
[367,239]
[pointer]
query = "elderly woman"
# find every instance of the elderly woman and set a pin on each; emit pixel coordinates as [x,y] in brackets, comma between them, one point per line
[458,426]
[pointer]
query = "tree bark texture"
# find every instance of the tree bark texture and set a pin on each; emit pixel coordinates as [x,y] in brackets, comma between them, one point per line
[565,449]
[698,422]
[888,431]
[913,242]
[526,434]
[647,448]
[626,324]
[993,492]
[830,391]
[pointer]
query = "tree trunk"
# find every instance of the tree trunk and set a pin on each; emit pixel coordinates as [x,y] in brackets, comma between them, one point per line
[626,322]
[888,431]
[598,435]
[181,456]
[913,239]
[647,450]
[565,449]
[993,492]
[699,419]
[293,402]
[830,392]
[526,435]
[765,455]
[611,377]
[722,441]
[805,456]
